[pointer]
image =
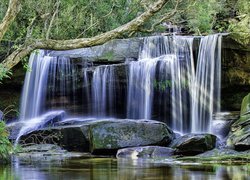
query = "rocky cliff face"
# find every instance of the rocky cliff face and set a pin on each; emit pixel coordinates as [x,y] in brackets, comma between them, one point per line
[235,73]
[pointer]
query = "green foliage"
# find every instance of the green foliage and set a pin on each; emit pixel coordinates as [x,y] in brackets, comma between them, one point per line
[201,15]
[4,73]
[5,145]
[240,26]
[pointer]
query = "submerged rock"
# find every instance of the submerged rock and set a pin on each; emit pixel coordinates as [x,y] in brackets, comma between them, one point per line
[102,136]
[46,152]
[239,136]
[218,152]
[145,152]
[193,144]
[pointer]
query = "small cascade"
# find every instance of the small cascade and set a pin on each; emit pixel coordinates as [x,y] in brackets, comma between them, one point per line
[50,78]
[62,84]
[207,86]
[35,86]
[103,91]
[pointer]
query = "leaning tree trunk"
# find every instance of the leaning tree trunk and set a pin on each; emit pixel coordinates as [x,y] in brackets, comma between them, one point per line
[130,27]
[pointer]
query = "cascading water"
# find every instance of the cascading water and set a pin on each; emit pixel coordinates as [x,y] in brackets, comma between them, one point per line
[35,86]
[50,77]
[166,63]
[162,85]
[206,94]
[103,91]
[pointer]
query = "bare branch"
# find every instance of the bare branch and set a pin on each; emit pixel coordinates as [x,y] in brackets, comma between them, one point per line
[13,9]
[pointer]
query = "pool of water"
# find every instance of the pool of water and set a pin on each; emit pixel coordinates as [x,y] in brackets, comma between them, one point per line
[111,168]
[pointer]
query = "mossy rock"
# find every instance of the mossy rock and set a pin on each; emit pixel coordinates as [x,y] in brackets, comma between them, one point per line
[113,135]
[239,136]
[245,106]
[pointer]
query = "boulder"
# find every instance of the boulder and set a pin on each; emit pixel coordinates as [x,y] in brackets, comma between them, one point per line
[71,138]
[193,144]
[102,136]
[117,134]
[239,136]
[145,152]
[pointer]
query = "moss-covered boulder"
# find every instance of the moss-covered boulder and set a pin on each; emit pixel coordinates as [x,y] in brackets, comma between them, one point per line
[112,135]
[239,136]
[145,152]
[101,136]
[193,144]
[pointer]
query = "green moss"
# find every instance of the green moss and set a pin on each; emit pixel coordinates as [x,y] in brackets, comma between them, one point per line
[220,159]
[245,106]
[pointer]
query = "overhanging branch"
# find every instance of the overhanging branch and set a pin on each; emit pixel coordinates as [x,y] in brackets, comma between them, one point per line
[131,26]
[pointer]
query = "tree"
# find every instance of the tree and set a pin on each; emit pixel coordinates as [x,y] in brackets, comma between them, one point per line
[31,44]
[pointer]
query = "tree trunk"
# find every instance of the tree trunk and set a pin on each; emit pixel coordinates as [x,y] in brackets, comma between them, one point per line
[131,26]
[13,9]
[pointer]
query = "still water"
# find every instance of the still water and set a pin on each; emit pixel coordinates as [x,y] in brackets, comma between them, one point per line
[110,168]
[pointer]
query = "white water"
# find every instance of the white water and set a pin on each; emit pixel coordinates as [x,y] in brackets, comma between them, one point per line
[207,86]
[162,60]
[162,83]
[34,91]
[103,91]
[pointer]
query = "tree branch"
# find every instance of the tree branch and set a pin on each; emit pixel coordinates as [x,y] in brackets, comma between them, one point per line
[13,9]
[131,26]
[165,17]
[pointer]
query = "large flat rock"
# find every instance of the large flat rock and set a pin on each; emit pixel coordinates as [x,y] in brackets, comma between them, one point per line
[102,135]
[128,133]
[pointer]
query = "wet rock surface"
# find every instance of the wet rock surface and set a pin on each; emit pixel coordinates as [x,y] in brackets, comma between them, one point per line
[193,144]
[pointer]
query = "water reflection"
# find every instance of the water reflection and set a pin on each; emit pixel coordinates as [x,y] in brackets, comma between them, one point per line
[108,169]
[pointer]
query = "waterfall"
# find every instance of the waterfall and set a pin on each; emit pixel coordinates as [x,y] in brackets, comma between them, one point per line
[48,78]
[103,91]
[206,94]
[35,86]
[166,63]
[163,84]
